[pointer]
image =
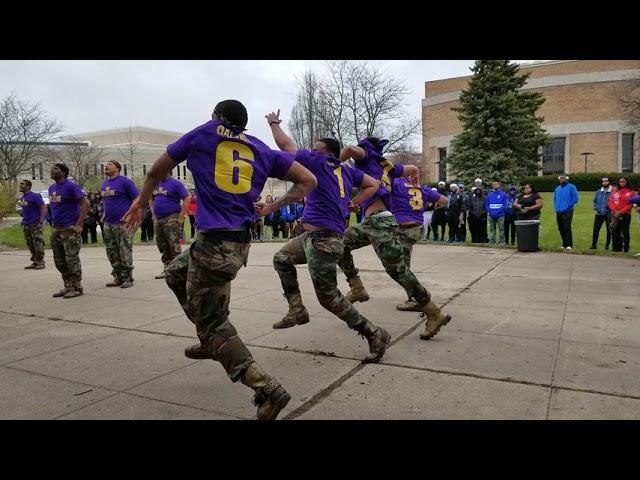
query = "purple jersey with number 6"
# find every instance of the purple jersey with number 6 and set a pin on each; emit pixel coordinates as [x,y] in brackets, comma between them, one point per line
[229,169]
[328,205]
[381,169]
[408,202]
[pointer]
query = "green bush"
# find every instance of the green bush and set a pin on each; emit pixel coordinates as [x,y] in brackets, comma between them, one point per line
[583,181]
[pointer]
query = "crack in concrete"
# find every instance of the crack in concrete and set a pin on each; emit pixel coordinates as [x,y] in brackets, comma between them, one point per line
[564,316]
[511,380]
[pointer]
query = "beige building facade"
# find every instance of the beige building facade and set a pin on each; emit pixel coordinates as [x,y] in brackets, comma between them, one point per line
[582,112]
[136,149]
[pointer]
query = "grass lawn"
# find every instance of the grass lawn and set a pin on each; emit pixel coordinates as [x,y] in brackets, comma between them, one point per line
[582,228]
[549,241]
[13,237]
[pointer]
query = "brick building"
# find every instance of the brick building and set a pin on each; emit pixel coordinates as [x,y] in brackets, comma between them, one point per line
[582,113]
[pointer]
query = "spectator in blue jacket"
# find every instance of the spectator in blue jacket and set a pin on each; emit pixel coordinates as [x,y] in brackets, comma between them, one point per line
[496,204]
[603,215]
[510,216]
[565,196]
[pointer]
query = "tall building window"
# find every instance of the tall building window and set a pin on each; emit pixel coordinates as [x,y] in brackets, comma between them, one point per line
[144,169]
[33,171]
[95,169]
[184,172]
[553,157]
[442,164]
[41,171]
[125,170]
[627,152]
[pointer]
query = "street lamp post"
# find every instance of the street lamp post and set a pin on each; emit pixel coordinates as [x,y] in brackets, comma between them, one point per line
[586,155]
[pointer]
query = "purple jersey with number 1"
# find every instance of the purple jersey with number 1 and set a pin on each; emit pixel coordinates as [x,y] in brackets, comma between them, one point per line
[328,205]
[408,202]
[229,171]
[381,169]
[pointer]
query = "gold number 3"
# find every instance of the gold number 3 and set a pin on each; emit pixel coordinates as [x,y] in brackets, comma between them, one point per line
[416,200]
[232,157]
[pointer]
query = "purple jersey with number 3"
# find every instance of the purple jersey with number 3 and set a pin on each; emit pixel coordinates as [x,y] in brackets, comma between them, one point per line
[328,205]
[381,169]
[408,202]
[229,170]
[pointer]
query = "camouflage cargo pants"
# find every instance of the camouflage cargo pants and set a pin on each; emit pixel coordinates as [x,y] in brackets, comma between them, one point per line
[408,237]
[119,241]
[200,277]
[168,232]
[382,234]
[65,244]
[321,251]
[34,236]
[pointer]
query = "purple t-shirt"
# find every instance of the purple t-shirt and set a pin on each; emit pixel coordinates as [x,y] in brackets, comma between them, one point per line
[31,203]
[383,170]
[118,194]
[65,199]
[328,205]
[167,196]
[229,170]
[408,202]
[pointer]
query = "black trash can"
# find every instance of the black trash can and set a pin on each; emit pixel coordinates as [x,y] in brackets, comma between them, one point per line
[527,234]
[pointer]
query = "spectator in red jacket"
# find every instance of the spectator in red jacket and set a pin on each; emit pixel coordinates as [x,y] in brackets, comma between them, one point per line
[192,212]
[620,215]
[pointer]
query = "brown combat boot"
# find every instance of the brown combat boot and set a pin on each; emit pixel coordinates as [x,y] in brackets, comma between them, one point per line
[197,352]
[116,282]
[409,306]
[76,292]
[379,340]
[270,397]
[435,320]
[297,314]
[30,267]
[357,293]
[61,293]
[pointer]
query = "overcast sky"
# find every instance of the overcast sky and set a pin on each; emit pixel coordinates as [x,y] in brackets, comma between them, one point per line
[179,95]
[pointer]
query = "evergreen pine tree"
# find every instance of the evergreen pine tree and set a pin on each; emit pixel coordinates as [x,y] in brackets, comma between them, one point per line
[501,131]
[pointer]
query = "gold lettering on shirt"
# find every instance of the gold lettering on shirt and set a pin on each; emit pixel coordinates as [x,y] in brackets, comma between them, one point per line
[225,132]
[109,192]
[55,198]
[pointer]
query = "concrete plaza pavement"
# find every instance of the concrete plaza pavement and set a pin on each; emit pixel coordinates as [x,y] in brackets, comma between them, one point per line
[533,336]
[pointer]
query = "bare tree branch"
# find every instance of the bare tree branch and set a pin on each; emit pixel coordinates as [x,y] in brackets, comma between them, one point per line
[81,159]
[24,129]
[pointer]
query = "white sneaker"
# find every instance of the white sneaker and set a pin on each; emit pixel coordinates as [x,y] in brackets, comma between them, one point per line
[637,255]
[569,248]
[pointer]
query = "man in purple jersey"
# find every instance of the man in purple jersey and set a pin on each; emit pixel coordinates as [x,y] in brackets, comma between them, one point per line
[118,193]
[320,246]
[380,230]
[34,211]
[69,207]
[408,201]
[229,169]
[168,215]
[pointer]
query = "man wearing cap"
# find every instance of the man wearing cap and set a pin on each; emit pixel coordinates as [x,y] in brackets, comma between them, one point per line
[118,193]
[496,204]
[69,207]
[439,219]
[565,197]
[477,215]
[602,213]
[169,216]
[462,226]
[34,211]
[455,208]
[510,216]
[230,169]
